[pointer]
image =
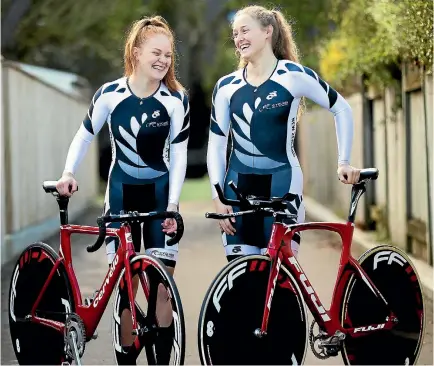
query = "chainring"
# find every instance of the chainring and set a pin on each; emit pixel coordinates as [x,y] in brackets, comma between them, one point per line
[321,354]
[74,324]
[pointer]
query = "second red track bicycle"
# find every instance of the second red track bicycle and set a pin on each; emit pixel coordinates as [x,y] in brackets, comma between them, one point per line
[254,311]
[49,321]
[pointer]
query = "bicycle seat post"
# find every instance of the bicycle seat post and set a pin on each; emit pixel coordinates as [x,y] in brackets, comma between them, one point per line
[356,192]
[63,208]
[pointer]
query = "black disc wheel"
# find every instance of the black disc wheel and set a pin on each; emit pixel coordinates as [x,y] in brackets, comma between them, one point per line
[162,340]
[394,275]
[233,309]
[36,344]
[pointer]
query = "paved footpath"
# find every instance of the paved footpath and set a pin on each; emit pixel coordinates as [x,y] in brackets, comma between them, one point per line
[201,257]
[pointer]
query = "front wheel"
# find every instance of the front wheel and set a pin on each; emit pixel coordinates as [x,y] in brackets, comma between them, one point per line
[163,343]
[36,344]
[394,275]
[233,309]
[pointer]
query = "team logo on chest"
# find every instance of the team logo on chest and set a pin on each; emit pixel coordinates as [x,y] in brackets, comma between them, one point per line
[144,152]
[271,95]
[244,139]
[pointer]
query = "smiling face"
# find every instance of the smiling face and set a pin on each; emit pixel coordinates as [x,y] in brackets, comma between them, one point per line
[154,56]
[250,37]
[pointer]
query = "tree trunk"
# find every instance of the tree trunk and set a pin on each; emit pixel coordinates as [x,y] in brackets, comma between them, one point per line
[16,12]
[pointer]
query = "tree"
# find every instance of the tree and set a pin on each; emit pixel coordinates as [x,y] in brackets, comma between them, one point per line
[16,10]
[374,37]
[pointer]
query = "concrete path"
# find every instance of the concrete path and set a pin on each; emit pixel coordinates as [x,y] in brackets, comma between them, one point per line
[201,257]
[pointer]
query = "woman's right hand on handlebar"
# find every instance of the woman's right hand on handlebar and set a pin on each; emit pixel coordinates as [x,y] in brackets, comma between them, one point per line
[225,225]
[66,185]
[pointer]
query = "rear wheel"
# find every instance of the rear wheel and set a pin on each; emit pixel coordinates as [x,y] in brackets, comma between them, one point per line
[36,344]
[394,275]
[153,276]
[233,309]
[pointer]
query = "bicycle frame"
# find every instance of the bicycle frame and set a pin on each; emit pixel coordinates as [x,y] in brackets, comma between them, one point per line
[279,250]
[92,314]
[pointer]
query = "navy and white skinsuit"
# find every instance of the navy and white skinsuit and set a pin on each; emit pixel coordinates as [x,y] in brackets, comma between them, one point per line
[262,121]
[149,139]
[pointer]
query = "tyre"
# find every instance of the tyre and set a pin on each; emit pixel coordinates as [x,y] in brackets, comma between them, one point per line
[36,344]
[158,340]
[394,275]
[233,309]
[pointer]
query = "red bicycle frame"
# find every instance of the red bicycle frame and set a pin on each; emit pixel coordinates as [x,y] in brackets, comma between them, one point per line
[91,314]
[279,250]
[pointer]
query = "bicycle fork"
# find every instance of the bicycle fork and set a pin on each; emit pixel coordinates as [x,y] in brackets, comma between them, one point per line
[274,274]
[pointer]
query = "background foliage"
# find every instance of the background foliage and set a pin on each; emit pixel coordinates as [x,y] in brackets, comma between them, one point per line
[340,39]
[374,37]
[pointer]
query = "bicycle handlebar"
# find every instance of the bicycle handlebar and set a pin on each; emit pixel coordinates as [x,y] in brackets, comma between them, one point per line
[250,204]
[275,205]
[250,201]
[136,217]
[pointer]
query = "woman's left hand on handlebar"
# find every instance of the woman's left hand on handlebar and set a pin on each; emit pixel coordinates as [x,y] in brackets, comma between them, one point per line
[348,174]
[169,225]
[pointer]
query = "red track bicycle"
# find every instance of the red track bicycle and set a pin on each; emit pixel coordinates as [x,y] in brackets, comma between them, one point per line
[50,323]
[254,311]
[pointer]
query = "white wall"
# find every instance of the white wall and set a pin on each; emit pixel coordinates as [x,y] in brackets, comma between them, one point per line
[319,155]
[40,122]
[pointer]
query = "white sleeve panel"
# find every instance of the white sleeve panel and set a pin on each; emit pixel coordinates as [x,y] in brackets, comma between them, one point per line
[179,135]
[94,120]
[323,94]
[218,139]
[78,149]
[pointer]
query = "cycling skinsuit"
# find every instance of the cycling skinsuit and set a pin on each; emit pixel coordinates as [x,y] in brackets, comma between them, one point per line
[149,139]
[262,121]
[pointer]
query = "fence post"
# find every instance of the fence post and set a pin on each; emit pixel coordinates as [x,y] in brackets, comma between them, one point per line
[6,206]
[428,173]
[368,151]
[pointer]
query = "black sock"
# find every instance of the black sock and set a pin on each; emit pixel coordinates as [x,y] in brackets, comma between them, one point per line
[164,343]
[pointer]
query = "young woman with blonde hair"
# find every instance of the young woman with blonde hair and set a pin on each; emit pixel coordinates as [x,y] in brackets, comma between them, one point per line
[260,105]
[147,111]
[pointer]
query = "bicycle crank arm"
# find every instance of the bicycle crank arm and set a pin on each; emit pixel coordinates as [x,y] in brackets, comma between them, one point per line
[74,347]
[335,340]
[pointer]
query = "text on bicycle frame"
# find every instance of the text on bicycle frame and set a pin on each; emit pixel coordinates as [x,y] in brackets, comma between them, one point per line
[106,282]
[303,279]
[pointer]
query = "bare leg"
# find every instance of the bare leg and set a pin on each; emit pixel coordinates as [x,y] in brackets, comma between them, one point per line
[164,316]
[126,320]
[164,307]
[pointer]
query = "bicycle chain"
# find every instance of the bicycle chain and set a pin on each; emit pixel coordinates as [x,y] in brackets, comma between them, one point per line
[75,323]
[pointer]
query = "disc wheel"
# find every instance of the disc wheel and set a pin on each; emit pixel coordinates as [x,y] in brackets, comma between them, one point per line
[394,275]
[233,309]
[153,278]
[36,344]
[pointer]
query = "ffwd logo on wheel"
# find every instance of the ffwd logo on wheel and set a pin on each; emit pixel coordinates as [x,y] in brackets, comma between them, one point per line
[227,283]
[389,256]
